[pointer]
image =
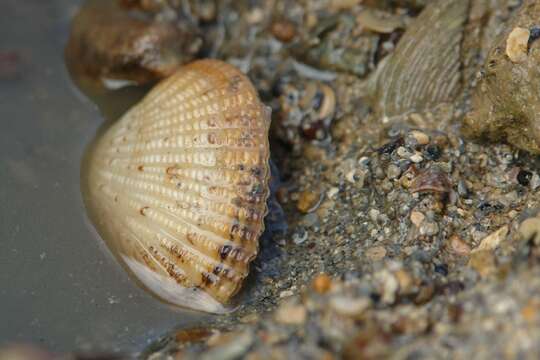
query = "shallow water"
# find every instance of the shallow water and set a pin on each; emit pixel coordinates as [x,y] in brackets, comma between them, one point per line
[59,285]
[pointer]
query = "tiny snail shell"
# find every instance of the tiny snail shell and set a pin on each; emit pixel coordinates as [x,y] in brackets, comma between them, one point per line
[432,180]
[178,186]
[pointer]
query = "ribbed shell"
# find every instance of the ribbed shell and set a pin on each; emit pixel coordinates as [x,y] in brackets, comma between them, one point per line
[424,69]
[178,186]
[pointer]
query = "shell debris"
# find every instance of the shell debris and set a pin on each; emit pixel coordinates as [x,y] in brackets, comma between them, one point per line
[178,186]
[517,44]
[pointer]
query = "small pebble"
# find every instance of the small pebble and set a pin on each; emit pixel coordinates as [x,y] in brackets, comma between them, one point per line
[493,240]
[351,176]
[308,201]
[429,228]
[393,171]
[530,312]
[322,283]
[283,30]
[483,262]
[229,346]
[403,152]
[300,236]
[420,137]
[517,43]
[416,158]
[390,286]
[458,246]
[374,215]
[291,314]
[376,253]
[250,318]
[535,181]
[348,306]
[433,152]
[417,218]
[404,280]
[332,192]
[529,229]
[286,293]
[524,177]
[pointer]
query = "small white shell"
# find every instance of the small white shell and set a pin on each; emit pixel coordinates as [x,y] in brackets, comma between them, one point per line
[178,186]
[516,44]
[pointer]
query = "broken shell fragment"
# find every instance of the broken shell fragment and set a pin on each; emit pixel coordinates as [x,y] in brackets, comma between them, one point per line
[432,180]
[516,44]
[178,186]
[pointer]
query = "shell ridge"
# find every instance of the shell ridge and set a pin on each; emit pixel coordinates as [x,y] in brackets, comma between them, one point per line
[180,184]
[161,188]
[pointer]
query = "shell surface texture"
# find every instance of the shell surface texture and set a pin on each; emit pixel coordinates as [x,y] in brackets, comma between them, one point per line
[177,187]
[424,69]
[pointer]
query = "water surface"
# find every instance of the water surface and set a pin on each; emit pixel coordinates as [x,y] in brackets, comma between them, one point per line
[59,285]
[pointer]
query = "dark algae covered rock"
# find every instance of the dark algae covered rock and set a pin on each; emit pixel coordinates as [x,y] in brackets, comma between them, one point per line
[506,103]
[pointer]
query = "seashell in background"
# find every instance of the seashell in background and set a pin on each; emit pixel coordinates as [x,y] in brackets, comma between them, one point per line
[117,47]
[178,186]
[424,69]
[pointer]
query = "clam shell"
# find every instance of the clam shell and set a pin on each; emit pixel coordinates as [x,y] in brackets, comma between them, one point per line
[424,69]
[178,186]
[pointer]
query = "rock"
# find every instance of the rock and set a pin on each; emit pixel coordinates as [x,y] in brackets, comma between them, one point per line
[332,192]
[229,346]
[300,236]
[529,229]
[393,171]
[506,102]
[493,240]
[286,293]
[374,215]
[194,335]
[291,314]
[404,280]
[309,201]
[108,42]
[322,283]
[389,286]
[531,311]
[517,44]
[429,228]
[416,158]
[404,152]
[283,30]
[417,218]
[420,137]
[376,253]
[348,306]
[483,262]
[458,246]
